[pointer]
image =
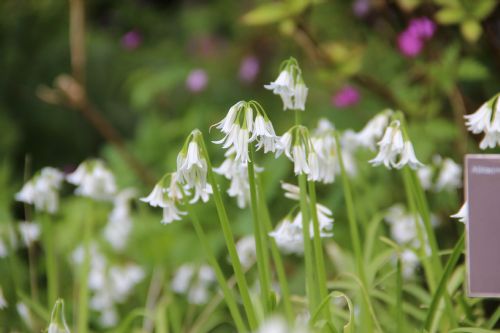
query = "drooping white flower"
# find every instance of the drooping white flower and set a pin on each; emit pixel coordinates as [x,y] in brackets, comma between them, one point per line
[194,282]
[425,176]
[157,197]
[57,319]
[323,142]
[192,170]
[30,232]
[288,236]
[94,180]
[3,301]
[25,314]
[410,263]
[393,146]
[486,120]
[42,190]
[237,173]
[463,214]
[450,176]
[480,120]
[247,252]
[290,86]
[373,130]
[119,224]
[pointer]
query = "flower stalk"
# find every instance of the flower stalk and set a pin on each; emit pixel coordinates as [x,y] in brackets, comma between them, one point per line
[83,293]
[50,259]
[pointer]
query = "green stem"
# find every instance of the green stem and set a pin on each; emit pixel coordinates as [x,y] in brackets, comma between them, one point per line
[228,295]
[83,297]
[318,247]
[278,263]
[51,261]
[231,247]
[399,297]
[260,238]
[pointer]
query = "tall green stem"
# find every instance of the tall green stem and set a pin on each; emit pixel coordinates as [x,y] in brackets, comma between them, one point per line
[278,263]
[260,238]
[83,297]
[318,247]
[228,295]
[50,260]
[228,236]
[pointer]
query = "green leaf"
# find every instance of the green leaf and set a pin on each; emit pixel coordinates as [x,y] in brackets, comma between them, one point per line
[450,15]
[470,70]
[471,30]
[267,14]
[471,330]
[483,8]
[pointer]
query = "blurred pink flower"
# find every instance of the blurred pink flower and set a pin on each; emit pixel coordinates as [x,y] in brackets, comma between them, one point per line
[361,8]
[345,97]
[197,80]
[411,41]
[131,40]
[249,68]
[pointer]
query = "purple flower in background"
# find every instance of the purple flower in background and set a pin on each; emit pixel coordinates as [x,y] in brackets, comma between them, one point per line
[131,40]
[197,80]
[249,69]
[361,8]
[411,41]
[345,97]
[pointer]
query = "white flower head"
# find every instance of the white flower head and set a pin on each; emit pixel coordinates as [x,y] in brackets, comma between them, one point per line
[486,120]
[57,319]
[42,190]
[192,168]
[394,145]
[410,263]
[241,128]
[30,232]
[450,176]
[373,130]
[94,180]
[119,224]
[168,196]
[463,214]
[194,282]
[247,252]
[324,144]
[237,173]
[290,86]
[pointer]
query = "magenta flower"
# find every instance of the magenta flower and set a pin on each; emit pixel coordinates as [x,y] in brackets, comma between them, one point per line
[197,80]
[411,41]
[249,68]
[346,97]
[131,40]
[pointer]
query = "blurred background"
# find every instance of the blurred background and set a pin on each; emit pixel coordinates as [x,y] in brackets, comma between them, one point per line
[126,80]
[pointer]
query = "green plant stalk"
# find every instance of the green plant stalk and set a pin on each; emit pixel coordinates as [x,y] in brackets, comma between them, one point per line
[441,290]
[261,245]
[83,298]
[228,295]
[228,236]
[354,233]
[318,248]
[351,215]
[50,260]
[429,269]
[278,263]
[311,290]
[436,269]
[399,297]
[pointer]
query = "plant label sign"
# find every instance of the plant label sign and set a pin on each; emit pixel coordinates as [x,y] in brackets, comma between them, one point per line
[482,192]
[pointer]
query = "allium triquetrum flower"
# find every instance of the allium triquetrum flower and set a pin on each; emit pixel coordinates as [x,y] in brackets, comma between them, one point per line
[94,180]
[42,190]
[290,86]
[57,319]
[486,120]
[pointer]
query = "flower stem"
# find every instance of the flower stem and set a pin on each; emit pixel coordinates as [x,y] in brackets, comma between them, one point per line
[260,238]
[228,294]
[231,247]
[83,297]
[278,263]
[50,259]
[318,248]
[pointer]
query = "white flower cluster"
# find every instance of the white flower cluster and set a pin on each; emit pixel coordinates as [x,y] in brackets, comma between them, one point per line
[240,128]
[288,233]
[119,225]
[324,144]
[167,197]
[30,232]
[93,180]
[246,251]
[373,130]
[194,282]
[110,284]
[42,190]
[463,214]
[442,175]
[394,145]
[486,120]
[290,86]
[280,325]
